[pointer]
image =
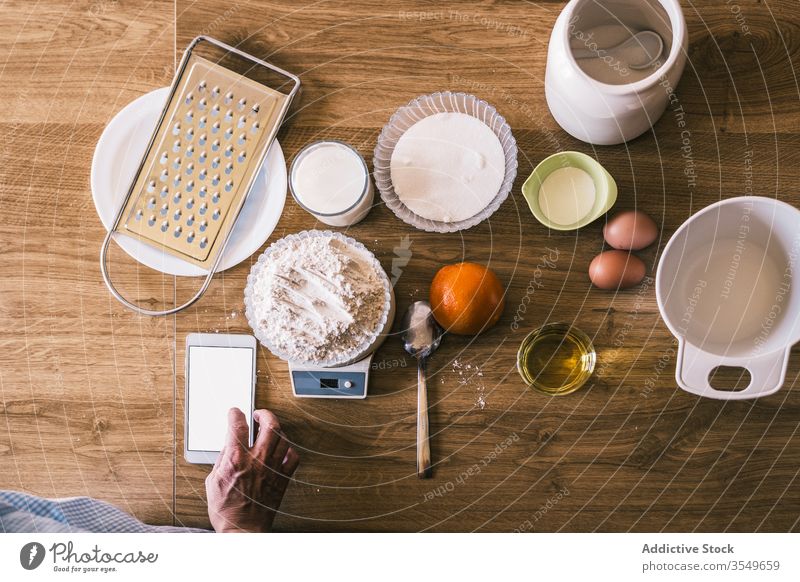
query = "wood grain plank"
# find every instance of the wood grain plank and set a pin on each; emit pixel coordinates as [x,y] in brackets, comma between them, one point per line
[86,388]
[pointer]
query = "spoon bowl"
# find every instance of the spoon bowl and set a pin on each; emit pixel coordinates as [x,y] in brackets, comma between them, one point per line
[421,334]
[645,45]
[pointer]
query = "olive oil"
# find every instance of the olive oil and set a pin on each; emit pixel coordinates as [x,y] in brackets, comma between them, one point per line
[556,359]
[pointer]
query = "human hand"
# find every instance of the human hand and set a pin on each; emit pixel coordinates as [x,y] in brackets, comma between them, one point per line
[246,485]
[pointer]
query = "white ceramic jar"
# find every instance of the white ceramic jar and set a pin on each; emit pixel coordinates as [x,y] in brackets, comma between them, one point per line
[602,112]
[330,180]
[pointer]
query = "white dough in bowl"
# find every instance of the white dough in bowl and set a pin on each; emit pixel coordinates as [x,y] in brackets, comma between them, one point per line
[447,167]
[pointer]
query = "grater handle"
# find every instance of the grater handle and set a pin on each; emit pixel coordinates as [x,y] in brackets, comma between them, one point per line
[141,310]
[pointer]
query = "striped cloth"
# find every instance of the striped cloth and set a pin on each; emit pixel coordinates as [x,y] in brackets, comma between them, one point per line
[20,512]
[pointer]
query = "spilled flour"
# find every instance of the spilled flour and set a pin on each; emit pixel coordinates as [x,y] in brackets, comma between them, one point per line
[471,375]
[318,299]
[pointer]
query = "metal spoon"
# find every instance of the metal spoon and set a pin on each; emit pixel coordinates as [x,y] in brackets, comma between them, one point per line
[649,43]
[421,337]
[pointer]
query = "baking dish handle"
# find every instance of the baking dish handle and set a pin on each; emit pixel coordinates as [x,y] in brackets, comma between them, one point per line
[137,308]
[694,366]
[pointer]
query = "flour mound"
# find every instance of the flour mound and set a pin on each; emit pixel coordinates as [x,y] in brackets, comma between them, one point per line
[318,299]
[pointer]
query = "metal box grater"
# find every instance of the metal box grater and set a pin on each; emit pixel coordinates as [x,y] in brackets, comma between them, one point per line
[203,157]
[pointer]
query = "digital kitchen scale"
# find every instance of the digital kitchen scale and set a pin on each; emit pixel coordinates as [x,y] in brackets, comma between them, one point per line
[326,378]
[342,382]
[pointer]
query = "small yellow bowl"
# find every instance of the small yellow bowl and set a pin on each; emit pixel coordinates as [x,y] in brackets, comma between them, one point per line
[604,184]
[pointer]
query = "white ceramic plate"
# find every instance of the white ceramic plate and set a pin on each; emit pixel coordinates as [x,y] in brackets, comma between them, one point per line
[116,159]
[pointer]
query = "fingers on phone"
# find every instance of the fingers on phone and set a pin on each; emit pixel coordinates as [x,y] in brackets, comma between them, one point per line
[268,436]
[290,462]
[264,417]
[238,431]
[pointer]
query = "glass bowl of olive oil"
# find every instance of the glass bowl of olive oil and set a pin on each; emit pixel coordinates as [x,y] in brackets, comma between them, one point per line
[556,359]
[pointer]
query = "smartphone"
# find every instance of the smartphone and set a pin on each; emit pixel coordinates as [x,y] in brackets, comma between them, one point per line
[220,375]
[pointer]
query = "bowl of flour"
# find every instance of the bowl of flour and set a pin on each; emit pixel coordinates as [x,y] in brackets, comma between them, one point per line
[319,298]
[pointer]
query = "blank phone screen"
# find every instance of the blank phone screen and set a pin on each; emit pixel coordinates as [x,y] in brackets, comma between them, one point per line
[220,378]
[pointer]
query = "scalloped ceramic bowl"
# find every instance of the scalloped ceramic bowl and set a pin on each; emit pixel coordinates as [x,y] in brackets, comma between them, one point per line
[605,187]
[372,343]
[425,106]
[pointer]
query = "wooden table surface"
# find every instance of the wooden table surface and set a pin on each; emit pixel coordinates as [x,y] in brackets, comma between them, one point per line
[91,395]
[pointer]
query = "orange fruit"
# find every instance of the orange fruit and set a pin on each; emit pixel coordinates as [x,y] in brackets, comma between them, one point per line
[466,298]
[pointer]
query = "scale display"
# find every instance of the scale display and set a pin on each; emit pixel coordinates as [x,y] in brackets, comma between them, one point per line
[342,382]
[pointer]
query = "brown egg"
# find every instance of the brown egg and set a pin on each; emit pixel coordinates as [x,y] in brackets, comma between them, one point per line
[631,230]
[616,270]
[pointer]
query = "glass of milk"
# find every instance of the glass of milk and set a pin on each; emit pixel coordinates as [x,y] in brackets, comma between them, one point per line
[330,180]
